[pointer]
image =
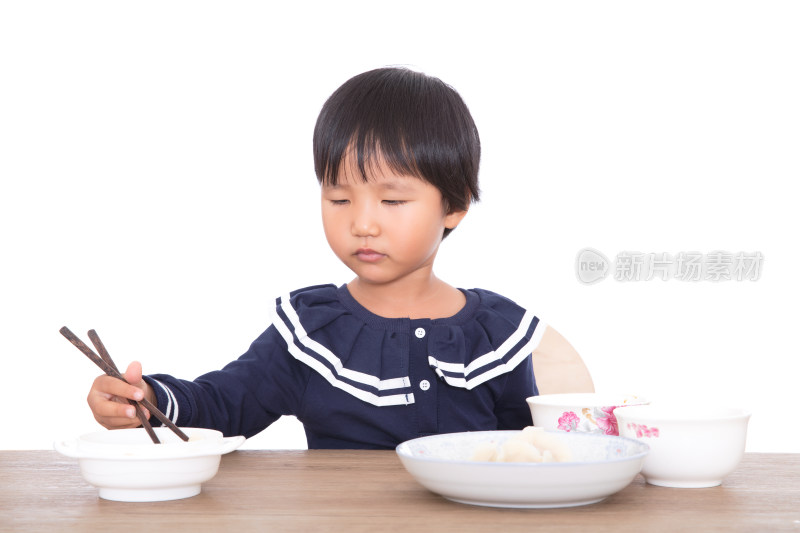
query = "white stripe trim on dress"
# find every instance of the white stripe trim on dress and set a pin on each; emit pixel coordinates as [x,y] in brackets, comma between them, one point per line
[325,372]
[494,355]
[172,402]
[508,366]
[353,375]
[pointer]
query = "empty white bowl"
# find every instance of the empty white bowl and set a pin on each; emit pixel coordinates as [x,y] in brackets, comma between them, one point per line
[588,412]
[691,446]
[125,465]
[600,466]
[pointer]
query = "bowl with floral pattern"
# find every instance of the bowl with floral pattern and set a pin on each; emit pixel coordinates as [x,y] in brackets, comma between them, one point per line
[587,412]
[691,445]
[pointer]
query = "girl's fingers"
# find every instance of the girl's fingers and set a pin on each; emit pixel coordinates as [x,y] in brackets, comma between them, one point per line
[114,414]
[104,407]
[116,387]
[118,423]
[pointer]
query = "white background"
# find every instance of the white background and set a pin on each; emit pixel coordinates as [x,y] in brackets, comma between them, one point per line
[158,185]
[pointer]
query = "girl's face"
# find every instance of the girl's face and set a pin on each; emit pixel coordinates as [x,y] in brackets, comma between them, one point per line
[385,229]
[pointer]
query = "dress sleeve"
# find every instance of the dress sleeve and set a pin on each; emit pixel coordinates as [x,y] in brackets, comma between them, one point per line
[244,397]
[512,409]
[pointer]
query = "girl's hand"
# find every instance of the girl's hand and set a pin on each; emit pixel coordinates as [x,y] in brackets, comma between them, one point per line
[108,398]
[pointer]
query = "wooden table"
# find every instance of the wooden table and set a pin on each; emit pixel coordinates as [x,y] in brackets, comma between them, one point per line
[354,491]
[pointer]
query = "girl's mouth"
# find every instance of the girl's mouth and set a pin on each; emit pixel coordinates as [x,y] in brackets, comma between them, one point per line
[368,255]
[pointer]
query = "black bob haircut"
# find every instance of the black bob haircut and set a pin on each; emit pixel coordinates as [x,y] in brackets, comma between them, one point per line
[416,123]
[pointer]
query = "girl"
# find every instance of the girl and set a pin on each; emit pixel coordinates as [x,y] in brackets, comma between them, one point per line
[396,353]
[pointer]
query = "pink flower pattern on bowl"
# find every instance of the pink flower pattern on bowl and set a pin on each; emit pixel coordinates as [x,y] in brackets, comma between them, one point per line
[643,431]
[581,412]
[607,423]
[591,420]
[568,421]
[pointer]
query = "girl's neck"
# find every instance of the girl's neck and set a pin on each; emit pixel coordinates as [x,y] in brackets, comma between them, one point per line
[429,298]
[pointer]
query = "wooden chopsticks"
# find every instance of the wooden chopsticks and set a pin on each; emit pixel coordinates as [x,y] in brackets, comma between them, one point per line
[105,362]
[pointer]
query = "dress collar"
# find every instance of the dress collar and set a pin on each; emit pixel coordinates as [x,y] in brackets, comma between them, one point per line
[465,314]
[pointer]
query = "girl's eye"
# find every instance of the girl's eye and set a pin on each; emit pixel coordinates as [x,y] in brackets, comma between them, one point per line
[340,202]
[394,202]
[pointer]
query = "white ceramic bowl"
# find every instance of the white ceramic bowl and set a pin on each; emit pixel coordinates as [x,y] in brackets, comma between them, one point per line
[581,412]
[691,445]
[601,465]
[125,465]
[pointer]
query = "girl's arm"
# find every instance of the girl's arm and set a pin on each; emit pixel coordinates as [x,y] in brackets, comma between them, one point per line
[244,397]
[558,367]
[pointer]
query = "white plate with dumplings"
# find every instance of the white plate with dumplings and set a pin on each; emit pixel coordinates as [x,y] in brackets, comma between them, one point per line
[532,468]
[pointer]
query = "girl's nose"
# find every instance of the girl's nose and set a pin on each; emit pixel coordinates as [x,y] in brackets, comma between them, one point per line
[365,224]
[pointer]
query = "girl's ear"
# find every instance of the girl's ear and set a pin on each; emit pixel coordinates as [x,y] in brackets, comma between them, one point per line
[454,218]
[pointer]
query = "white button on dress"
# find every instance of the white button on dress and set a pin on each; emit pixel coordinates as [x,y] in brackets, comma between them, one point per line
[424,384]
[419,333]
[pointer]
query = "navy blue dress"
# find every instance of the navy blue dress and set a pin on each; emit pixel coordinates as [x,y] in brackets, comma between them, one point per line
[357,380]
